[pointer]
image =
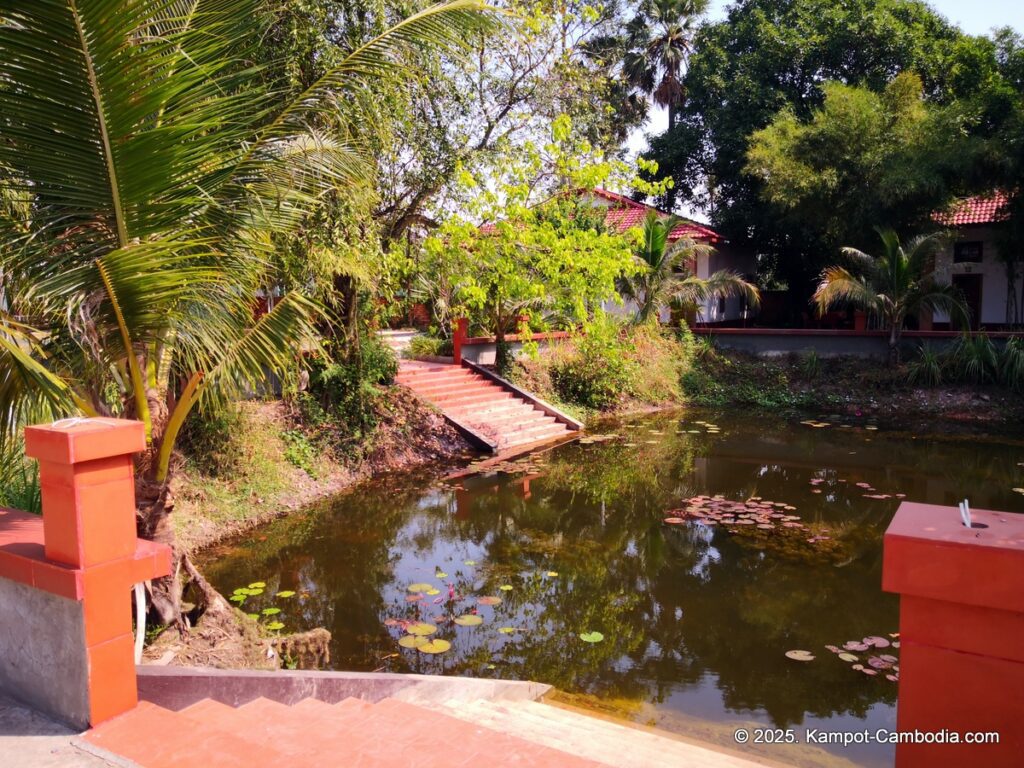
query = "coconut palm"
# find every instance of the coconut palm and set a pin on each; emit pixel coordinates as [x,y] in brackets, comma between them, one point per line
[663,276]
[145,168]
[660,38]
[897,284]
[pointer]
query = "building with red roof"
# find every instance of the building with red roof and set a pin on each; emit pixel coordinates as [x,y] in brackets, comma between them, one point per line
[971,261]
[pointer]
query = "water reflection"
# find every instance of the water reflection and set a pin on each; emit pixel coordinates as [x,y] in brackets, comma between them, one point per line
[695,620]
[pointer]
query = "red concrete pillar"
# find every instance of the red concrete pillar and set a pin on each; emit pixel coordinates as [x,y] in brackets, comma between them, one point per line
[88,494]
[961,633]
[860,320]
[461,334]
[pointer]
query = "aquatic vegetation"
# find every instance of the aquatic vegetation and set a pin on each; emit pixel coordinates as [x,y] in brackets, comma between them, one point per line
[591,637]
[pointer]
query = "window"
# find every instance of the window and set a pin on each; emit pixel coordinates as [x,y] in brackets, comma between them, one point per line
[967,253]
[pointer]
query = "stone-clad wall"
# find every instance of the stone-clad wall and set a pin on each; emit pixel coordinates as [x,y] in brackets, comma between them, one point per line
[42,652]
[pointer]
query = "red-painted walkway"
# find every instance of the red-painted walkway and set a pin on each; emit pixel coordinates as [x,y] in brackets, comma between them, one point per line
[352,733]
[488,409]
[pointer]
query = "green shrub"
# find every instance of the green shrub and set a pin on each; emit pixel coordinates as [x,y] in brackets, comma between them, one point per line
[974,358]
[597,373]
[429,346]
[1011,364]
[810,365]
[346,388]
[208,438]
[926,369]
[19,479]
[299,451]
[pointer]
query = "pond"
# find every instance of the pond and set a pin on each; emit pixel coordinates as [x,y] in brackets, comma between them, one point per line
[692,617]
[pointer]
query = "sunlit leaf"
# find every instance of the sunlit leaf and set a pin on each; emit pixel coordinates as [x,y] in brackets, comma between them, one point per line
[270,611]
[421,628]
[286,593]
[275,625]
[420,587]
[799,655]
[489,600]
[469,620]
[257,585]
[434,646]
[591,637]
[412,641]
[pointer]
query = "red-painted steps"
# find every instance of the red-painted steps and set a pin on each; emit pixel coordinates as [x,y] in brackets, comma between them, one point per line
[352,733]
[484,408]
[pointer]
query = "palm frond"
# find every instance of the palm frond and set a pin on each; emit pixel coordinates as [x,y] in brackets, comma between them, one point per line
[838,285]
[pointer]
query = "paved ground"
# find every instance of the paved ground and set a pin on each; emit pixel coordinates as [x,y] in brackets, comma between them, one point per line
[29,740]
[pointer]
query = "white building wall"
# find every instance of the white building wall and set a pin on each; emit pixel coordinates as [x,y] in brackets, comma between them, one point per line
[993,283]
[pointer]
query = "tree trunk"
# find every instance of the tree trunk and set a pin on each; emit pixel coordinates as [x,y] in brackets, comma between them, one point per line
[154,505]
[894,346]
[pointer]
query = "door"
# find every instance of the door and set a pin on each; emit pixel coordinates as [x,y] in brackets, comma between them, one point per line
[970,288]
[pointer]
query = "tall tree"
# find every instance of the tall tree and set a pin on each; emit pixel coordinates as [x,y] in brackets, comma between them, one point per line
[156,167]
[660,39]
[769,55]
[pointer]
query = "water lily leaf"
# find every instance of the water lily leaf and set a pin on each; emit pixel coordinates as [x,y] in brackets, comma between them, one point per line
[489,600]
[591,637]
[286,593]
[799,655]
[255,591]
[413,598]
[433,591]
[878,642]
[552,574]
[412,641]
[238,598]
[505,587]
[507,630]
[469,620]
[270,611]
[469,562]
[848,657]
[491,666]
[258,585]
[434,646]
[419,586]
[440,575]
[241,591]
[674,520]
[421,628]
[253,616]
[275,625]
[892,678]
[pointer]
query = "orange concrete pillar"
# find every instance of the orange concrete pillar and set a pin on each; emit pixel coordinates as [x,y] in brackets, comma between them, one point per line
[88,494]
[961,634]
[461,334]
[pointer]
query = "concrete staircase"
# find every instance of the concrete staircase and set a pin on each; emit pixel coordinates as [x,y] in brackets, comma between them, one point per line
[352,733]
[487,412]
[601,741]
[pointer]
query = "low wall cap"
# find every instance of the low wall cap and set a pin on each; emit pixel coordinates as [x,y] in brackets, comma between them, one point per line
[72,441]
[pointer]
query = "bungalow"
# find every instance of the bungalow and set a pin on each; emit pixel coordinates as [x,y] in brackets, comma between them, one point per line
[972,262]
[625,214]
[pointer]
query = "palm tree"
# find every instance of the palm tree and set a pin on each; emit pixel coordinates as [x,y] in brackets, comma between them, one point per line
[156,168]
[663,275]
[893,286]
[659,39]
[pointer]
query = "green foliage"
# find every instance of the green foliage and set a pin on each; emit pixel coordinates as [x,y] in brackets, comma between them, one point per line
[926,370]
[597,374]
[429,346]
[211,441]
[19,479]
[768,56]
[721,380]
[895,285]
[300,452]
[974,359]
[810,365]
[1011,364]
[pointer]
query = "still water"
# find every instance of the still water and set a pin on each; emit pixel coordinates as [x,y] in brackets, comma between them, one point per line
[696,619]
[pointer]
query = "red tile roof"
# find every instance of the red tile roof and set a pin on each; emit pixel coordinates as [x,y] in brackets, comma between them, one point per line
[625,213]
[982,209]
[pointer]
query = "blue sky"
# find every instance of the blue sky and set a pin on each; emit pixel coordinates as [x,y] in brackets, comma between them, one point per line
[974,16]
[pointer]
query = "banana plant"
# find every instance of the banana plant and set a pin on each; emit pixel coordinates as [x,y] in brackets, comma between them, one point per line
[145,169]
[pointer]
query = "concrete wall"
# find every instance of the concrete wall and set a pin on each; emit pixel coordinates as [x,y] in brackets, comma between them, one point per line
[867,344]
[485,353]
[993,287]
[43,653]
[726,257]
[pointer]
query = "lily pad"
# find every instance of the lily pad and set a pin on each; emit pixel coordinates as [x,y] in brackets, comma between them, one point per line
[489,600]
[420,586]
[421,628]
[275,625]
[507,630]
[505,587]
[848,657]
[434,646]
[258,585]
[591,637]
[238,598]
[799,655]
[878,642]
[270,611]
[552,574]
[469,620]
[440,575]
[253,616]
[432,591]
[413,598]
[412,641]
[286,593]
[255,591]
[469,562]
